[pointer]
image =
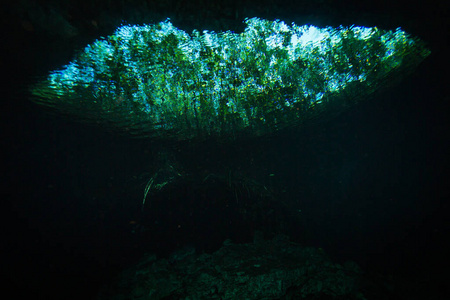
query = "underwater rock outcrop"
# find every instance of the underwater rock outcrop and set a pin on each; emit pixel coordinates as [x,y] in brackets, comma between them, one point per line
[274,269]
[159,81]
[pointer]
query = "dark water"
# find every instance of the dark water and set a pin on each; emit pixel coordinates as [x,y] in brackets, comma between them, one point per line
[370,185]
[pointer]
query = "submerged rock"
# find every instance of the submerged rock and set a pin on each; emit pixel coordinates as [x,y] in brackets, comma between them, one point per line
[275,269]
